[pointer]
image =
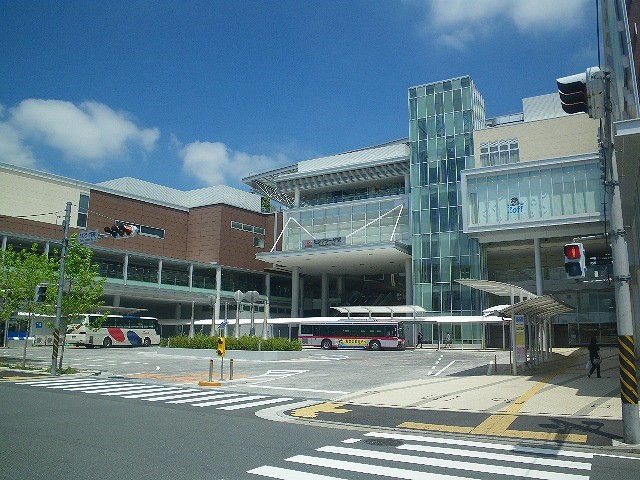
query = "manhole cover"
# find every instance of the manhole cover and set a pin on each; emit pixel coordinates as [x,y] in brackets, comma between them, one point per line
[383,442]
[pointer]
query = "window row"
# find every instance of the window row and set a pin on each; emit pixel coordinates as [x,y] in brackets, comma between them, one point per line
[499,153]
[248,228]
[535,194]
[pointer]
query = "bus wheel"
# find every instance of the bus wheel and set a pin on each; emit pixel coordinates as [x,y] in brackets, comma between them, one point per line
[106,343]
[326,344]
[146,342]
[374,345]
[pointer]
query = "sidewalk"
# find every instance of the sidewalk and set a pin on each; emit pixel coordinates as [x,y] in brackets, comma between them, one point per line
[558,387]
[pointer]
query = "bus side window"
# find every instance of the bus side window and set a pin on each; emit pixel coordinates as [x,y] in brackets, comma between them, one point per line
[305,329]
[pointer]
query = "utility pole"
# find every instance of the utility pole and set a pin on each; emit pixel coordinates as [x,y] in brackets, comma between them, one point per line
[621,278]
[63,262]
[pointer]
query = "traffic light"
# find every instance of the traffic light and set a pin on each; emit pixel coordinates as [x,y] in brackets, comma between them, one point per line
[222,346]
[574,260]
[583,92]
[121,229]
[41,294]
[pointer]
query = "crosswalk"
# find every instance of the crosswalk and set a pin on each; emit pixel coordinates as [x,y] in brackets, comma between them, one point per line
[415,457]
[217,399]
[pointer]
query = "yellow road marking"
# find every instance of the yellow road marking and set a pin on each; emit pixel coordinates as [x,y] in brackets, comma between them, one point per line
[313,410]
[498,424]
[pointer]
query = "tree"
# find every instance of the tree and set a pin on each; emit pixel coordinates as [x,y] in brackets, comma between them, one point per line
[22,271]
[85,286]
[20,274]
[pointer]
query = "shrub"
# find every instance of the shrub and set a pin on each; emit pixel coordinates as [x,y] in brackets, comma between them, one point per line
[242,343]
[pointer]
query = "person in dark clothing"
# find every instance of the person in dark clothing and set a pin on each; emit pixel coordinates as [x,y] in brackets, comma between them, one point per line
[420,339]
[594,357]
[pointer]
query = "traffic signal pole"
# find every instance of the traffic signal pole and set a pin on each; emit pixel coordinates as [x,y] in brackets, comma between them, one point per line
[63,262]
[621,278]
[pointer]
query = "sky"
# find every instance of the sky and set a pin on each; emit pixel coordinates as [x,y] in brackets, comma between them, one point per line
[192,94]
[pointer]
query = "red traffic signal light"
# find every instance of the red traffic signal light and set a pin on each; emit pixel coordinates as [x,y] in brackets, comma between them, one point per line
[574,260]
[121,229]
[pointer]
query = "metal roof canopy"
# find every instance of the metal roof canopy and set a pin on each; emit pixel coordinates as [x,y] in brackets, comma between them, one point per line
[390,310]
[546,305]
[497,288]
[357,259]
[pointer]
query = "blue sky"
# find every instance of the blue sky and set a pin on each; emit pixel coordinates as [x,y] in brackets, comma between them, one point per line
[190,94]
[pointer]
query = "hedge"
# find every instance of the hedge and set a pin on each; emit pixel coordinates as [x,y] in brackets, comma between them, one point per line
[242,343]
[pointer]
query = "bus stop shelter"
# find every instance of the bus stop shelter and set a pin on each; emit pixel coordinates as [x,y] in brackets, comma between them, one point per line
[536,310]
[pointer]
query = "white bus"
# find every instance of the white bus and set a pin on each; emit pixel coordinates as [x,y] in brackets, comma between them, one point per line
[353,333]
[115,330]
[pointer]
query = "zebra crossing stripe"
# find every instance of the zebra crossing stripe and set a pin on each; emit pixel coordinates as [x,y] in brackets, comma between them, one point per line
[498,456]
[153,393]
[286,474]
[470,443]
[256,404]
[392,472]
[117,392]
[204,395]
[174,396]
[229,400]
[527,472]
[628,377]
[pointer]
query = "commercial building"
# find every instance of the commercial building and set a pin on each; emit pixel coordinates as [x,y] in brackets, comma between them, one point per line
[193,251]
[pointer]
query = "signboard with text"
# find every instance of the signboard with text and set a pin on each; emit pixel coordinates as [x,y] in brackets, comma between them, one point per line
[325,242]
[521,349]
[88,236]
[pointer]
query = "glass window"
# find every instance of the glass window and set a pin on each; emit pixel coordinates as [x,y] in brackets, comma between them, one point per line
[83,210]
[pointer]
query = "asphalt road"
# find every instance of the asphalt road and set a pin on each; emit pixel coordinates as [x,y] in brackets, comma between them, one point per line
[318,374]
[62,433]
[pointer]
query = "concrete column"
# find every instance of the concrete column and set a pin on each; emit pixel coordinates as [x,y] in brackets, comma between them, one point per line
[47,247]
[178,311]
[159,273]
[267,285]
[4,243]
[296,197]
[216,307]
[538,263]
[125,269]
[190,276]
[408,275]
[301,311]
[407,183]
[324,295]
[340,288]
[295,292]
[116,300]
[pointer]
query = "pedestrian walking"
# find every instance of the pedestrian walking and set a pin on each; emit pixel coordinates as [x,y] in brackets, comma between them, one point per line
[594,357]
[420,339]
[447,340]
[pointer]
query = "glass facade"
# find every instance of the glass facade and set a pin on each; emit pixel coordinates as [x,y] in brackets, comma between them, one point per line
[532,194]
[363,222]
[443,116]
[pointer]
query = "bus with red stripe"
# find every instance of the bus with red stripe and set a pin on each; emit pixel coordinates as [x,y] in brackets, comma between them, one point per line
[115,330]
[352,333]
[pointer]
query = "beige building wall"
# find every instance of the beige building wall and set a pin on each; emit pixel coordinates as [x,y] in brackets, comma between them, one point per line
[542,139]
[26,195]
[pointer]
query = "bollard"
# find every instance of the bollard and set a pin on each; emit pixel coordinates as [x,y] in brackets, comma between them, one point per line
[211,370]
[231,369]
[495,364]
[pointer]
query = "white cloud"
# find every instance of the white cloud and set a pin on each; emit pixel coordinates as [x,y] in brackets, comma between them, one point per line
[90,131]
[458,22]
[12,150]
[215,164]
